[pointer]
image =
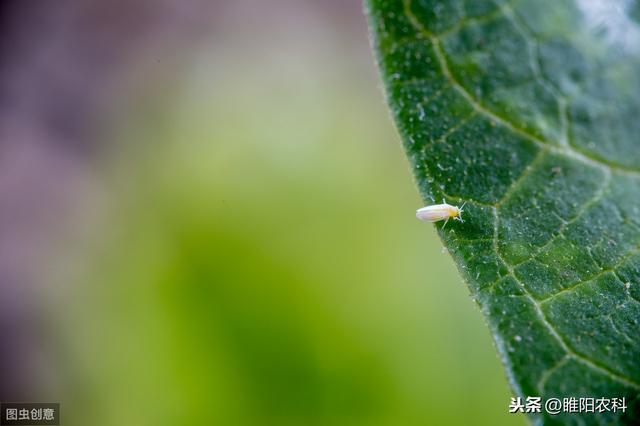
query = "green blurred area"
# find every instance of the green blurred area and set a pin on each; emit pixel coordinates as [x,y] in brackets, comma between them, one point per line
[260,264]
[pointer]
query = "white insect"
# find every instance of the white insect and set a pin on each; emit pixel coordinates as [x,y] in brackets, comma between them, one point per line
[439,212]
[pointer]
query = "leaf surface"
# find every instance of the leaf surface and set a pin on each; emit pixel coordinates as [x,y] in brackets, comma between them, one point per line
[529,111]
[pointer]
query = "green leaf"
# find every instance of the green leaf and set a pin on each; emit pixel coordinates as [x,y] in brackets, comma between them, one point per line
[529,111]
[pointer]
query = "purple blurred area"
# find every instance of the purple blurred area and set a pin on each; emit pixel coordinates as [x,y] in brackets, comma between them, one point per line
[59,61]
[62,64]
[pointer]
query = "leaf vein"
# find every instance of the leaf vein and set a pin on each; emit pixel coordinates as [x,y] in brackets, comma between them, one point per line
[606,183]
[544,376]
[569,150]
[526,172]
[592,278]
[545,321]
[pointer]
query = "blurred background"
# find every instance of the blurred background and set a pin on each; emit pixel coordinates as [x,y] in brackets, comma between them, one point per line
[206,217]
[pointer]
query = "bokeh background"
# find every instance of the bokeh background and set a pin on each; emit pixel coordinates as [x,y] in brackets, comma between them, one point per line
[206,217]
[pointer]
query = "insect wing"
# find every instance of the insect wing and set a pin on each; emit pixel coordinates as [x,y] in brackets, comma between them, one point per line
[434,213]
